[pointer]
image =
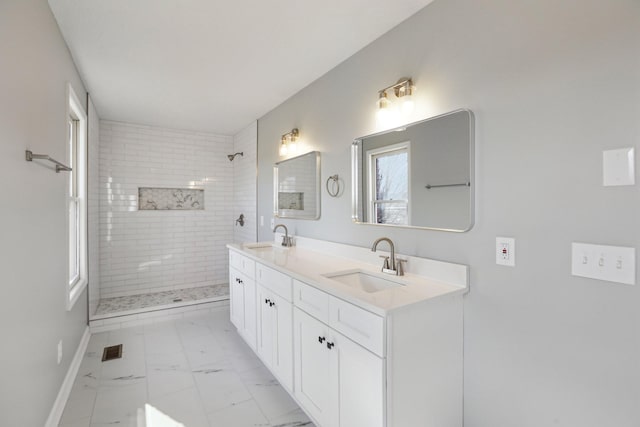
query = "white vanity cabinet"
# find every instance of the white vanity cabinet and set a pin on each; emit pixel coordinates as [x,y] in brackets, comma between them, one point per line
[275,324]
[242,296]
[345,361]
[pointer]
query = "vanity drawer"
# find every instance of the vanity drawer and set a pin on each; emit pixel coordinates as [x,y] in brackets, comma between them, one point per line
[363,327]
[314,301]
[274,280]
[243,264]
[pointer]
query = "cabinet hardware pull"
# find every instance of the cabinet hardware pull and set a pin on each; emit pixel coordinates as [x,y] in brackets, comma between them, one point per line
[321,339]
[271,304]
[329,345]
[266,301]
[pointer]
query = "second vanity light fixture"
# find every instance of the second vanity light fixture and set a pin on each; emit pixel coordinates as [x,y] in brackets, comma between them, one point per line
[289,142]
[403,90]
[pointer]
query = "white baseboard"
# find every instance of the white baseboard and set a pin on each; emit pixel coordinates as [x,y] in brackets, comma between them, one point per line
[58,406]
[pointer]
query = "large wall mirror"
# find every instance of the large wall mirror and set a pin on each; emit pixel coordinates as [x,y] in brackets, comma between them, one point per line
[419,175]
[296,184]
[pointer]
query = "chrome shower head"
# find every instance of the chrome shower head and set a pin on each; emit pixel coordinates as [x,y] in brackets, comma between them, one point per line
[233,156]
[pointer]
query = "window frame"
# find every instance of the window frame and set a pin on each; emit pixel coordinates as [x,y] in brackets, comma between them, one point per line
[372,201]
[76,195]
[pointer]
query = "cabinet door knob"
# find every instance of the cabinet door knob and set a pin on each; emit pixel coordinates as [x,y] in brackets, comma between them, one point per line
[321,339]
[329,345]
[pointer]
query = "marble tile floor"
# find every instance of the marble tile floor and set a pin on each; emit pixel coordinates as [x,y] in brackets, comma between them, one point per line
[130,303]
[196,370]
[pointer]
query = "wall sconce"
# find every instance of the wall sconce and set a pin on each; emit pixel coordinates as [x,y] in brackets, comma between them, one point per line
[403,90]
[289,142]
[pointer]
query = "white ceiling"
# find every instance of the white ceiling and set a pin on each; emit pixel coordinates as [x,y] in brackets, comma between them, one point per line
[213,65]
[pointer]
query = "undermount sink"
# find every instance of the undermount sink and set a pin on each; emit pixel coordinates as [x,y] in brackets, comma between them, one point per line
[264,246]
[363,280]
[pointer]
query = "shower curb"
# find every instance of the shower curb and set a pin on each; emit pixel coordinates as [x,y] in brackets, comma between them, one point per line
[156,316]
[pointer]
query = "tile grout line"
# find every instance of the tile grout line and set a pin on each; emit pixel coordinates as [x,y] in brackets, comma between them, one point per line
[98,380]
[191,372]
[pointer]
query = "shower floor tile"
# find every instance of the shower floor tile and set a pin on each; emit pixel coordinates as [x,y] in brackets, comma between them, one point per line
[131,303]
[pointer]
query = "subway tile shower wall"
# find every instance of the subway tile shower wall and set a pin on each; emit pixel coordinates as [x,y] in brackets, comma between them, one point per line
[151,251]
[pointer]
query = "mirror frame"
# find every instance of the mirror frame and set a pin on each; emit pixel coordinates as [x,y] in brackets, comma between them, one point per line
[276,211]
[356,148]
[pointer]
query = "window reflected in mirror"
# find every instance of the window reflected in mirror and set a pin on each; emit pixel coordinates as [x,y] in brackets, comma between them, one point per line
[419,175]
[389,190]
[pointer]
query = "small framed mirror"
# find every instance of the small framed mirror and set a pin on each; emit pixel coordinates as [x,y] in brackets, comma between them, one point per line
[420,175]
[297,187]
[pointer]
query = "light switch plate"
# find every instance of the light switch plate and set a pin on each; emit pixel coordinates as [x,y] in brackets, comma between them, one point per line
[506,251]
[608,263]
[618,167]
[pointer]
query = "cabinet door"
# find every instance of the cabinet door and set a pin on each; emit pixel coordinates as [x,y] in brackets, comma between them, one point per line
[283,340]
[313,382]
[265,326]
[250,321]
[361,384]
[236,297]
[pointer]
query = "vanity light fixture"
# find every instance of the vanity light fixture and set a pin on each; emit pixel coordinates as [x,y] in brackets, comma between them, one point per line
[403,90]
[289,142]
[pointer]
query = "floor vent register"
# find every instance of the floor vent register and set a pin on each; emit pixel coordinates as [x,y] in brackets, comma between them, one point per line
[112,352]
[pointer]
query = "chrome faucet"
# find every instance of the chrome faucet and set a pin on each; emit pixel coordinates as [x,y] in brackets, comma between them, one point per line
[286,239]
[391,265]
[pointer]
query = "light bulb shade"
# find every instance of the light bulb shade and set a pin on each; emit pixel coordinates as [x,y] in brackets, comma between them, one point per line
[383,116]
[383,102]
[408,104]
[283,148]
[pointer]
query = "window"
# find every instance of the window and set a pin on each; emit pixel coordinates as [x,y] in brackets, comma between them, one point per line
[77,198]
[389,188]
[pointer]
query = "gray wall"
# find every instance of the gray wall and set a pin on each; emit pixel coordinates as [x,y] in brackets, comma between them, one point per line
[552,84]
[35,67]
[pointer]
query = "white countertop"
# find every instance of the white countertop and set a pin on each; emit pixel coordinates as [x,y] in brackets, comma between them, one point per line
[310,265]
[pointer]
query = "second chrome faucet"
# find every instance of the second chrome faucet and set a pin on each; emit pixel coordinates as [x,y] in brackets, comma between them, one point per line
[392,265]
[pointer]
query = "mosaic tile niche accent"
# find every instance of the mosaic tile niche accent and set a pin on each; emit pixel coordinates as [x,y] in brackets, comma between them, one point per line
[288,200]
[170,199]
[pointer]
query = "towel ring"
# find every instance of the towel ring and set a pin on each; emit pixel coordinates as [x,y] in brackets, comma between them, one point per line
[335,186]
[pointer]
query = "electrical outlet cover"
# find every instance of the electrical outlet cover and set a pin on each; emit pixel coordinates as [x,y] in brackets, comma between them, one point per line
[506,251]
